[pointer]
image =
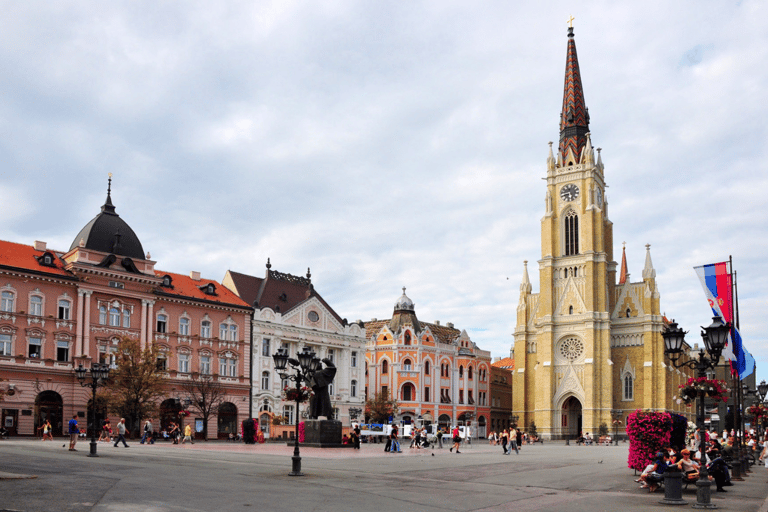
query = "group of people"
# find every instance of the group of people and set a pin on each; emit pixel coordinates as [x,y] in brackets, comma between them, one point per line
[512,439]
[718,451]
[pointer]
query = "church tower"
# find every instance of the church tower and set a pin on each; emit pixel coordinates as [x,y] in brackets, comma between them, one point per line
[584,345]
[563,334]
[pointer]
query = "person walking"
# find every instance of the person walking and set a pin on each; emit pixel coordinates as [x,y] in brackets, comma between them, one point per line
[73,432]
[440,438]
[456,439]
[519,439]
[504,441]
[395,443]
[147,433]
[47,431]
[121,433]
[356,437]
[513,433]
[187,434]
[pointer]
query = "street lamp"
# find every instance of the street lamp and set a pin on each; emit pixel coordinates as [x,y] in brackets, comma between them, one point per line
[99,374]
[304,367]
[513,420]
[616,414]
[714,338]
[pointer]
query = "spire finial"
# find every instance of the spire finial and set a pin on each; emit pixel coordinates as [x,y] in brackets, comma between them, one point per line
[624,275]
[648,271]
[269,265]
[108,206]
[309,274]
[403,290]
[570,21]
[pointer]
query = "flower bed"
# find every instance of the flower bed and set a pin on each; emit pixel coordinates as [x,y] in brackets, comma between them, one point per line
[651,431]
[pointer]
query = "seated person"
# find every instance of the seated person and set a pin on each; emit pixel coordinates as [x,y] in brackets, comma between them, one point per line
[718,471]
[83,433]
[654,477]
[3,433]
[580,439]
[345,439]
[587,439]
[688,466]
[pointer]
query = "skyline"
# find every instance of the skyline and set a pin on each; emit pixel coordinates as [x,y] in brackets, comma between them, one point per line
[389,145]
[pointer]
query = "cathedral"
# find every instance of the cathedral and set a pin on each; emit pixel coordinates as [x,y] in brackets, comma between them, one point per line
[587,348]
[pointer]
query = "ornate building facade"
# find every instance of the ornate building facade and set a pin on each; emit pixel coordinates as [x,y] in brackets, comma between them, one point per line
[585,345]
[289,313]
[435,372]
[502,373]
[64,308]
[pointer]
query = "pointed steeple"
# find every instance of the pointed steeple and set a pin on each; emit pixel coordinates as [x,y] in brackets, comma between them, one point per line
[525,286]
[574,118]
[648,270]
[108,206]
[624,276]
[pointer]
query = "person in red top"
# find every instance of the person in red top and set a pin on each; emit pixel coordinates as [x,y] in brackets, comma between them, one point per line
[456,439]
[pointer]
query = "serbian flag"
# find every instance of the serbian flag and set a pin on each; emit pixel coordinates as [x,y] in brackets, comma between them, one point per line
[716,279]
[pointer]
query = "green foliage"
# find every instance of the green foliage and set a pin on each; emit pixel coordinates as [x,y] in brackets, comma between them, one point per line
[380,407]
[602,430]
[532,429]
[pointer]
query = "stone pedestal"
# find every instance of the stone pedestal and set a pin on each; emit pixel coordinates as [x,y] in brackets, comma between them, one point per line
[322,434]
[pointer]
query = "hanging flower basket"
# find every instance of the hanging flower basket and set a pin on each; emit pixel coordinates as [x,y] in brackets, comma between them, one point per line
[757,411]
[184,414]
[297,395]
[714,388]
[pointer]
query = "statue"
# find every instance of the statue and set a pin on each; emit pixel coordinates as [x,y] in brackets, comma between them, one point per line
[320,404]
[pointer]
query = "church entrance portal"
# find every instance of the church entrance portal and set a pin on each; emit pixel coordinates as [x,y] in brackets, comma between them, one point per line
[570,418]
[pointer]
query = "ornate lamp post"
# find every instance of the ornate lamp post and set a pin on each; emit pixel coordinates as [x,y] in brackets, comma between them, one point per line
[99,374]
[513,420]
[616,414]
[304,368]
[714,338]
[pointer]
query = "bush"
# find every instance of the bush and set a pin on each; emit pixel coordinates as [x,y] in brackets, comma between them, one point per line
[602,430]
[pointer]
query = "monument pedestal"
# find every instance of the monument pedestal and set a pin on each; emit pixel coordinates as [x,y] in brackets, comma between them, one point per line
[322,434]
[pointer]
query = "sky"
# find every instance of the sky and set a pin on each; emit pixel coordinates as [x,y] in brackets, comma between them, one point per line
[390,144]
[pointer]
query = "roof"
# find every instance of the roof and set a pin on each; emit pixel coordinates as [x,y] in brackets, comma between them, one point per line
[278,291]
[506,363]
[107,232]
[185,287]
[574,118]
[27,258]
[442,333]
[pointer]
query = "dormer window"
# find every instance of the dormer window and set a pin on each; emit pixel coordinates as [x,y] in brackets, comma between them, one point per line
[47,259]
[167,281]
[209,289]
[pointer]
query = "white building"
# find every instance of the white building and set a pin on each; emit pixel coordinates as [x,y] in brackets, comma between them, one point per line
[289,313]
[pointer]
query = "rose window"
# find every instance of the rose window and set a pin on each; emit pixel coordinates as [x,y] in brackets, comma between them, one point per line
[571,349]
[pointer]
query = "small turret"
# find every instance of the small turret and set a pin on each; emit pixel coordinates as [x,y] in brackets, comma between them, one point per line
[648,270]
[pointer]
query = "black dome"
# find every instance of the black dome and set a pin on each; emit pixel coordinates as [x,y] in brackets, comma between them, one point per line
[107,232]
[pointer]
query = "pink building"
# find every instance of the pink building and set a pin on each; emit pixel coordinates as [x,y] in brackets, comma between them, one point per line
[60,309]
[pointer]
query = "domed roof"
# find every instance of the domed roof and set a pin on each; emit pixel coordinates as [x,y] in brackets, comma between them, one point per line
[404,303]
[107,232]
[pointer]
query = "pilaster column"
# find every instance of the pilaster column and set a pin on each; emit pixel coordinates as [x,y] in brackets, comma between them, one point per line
[150,320]
[79,324]
[87,324]
[143,334]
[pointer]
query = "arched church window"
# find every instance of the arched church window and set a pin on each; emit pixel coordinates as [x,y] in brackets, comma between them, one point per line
[576,272]
[461,371]
[384,367]
[570,310]
[571,233]
[407,337]
[426,367]
[629,387]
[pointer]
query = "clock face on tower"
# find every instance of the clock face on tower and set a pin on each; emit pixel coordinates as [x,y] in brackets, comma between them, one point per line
[569,192]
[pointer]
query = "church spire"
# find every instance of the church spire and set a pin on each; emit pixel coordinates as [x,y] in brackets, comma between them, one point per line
[525,286]
[648,271]
[108,207]
[574,118]
[624,276]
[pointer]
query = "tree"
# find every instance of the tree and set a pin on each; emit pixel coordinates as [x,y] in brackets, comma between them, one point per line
[532,430]
[379,408]
[137,383]
[206,394]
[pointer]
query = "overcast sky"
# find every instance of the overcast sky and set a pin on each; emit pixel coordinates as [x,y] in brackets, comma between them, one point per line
[391,144]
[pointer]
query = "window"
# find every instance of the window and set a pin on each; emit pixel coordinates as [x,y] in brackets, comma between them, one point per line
[265,347]
[35,347]
[353,389]
[426,369]
[5,345]
[284,383]
[288,414]
[407,337]
[36,305]
[426,394]
[114,317]
[461,396]
[184,363]
[332,355]
[228,331]
[205,329]
[330,389]
[126,317]
[353,360]
[461,371]
[64,307]
[407,365]
[469,373]
[115,284]
[184,326]
[384,367]
[470,399]
[103,315]
[571,233]
[385,391]
[223,329]
[408,393]
[228,367]
[6,304]
[629,391]
[265,381]
[62,351]
[205,365]
[232,333]
[162,323]
[162,363]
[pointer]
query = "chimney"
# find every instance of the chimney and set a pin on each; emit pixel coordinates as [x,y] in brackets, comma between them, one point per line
[450,325]
[195,275]
[373,319]
[40,246]
[437,322]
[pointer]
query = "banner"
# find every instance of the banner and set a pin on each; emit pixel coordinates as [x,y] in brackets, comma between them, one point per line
[717,282]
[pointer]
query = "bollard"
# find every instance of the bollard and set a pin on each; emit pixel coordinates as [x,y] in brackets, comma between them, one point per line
[673,488]
[567,441]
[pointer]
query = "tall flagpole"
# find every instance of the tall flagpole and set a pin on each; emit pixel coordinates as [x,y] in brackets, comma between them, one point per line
[736,376]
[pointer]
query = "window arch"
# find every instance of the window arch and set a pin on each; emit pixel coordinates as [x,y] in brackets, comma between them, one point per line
[353,389]
[408,392]
[8,302]
[36,305]
[629,387]
[114,317]
[103,315]
[65,308]
[184,326]
[162,323]
[469,372]
[265,381]
[461,371]
[426,367]
[384,366]
[407,337]
[407,365]
[571,233]
[126,317]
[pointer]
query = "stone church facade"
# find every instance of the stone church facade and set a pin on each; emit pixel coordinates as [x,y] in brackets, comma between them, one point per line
[587,347]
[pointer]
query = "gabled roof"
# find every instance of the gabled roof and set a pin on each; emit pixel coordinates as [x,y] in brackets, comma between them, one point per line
[442,333]
[278,291]
[506,363]
[27,258]
[185,287]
